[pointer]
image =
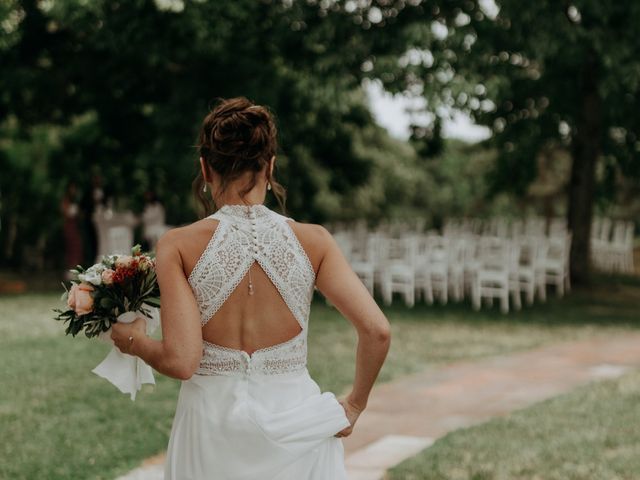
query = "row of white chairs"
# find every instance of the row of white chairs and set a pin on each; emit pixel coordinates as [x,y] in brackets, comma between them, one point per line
[506,228]
[612,245]
[611,241]
[433,266]
[495,226]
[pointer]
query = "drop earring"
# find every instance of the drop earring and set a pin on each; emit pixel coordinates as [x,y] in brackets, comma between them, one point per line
[204,188]
[268,185]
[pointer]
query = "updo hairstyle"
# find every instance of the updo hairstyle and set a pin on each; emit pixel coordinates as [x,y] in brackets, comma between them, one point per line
[237,137]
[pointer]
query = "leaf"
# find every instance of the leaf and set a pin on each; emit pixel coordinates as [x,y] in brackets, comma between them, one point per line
[75,327]
[153,301]
[106,302]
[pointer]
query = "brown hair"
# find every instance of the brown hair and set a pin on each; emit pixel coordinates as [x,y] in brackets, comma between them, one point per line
[237,137]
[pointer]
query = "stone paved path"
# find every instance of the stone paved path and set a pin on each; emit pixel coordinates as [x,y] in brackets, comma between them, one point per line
[408,414]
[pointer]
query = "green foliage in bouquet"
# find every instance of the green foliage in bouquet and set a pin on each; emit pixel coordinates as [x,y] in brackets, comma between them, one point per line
[98,295]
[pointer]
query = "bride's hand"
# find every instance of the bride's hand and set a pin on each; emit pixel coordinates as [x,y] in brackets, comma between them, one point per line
[124,334]
[352,412]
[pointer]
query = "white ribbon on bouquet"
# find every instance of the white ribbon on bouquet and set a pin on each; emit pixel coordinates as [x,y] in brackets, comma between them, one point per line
[128,372]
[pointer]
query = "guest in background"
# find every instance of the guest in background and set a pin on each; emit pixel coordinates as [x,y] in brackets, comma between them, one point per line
[92,198]
[72,238]
[153,219]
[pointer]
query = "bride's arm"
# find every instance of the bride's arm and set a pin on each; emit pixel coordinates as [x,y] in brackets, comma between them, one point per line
[179,352]
[337,281]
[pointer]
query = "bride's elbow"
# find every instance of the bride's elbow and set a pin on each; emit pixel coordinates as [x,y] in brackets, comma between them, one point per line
[185,368]
[383,334]
[379,334]
[185,372]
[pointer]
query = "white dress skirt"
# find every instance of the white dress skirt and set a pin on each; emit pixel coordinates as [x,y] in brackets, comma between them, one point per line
[255,426]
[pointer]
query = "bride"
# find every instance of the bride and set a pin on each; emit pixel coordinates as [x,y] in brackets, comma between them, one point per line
[236,293]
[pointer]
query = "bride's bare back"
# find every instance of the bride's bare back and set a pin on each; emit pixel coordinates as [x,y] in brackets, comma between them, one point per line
[246,321]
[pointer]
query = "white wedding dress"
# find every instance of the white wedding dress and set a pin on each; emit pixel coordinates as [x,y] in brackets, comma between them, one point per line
[259,416]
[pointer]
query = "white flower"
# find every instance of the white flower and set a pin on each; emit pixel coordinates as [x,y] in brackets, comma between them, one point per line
[124,261]
[93,275]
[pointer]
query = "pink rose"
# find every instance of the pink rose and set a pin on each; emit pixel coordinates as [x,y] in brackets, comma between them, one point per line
[124,261]
[80,299]
[107,276]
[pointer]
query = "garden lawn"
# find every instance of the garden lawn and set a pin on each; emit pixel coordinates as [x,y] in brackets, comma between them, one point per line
[60,421]
[591,433]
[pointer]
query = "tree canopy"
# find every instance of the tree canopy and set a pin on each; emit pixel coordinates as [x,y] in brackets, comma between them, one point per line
[543,75]
[120,88]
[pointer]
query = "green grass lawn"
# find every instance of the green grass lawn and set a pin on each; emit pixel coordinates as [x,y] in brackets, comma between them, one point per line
[59,421]
[592,433]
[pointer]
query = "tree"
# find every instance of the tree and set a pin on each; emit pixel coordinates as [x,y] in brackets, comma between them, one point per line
[120,87]
[545,74]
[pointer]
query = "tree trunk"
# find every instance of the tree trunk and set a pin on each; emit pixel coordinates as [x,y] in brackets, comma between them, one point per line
[586,147]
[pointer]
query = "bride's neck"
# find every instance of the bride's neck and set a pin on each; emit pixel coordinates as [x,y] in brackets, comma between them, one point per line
[232,196]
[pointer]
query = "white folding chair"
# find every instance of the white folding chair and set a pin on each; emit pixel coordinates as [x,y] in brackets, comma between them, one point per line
[455,260]
[527,267]
[492,276]
[556,264]
[397,275]
[435,270]
[424,289]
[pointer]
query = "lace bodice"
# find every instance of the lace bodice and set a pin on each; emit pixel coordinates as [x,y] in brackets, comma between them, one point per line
[247,234]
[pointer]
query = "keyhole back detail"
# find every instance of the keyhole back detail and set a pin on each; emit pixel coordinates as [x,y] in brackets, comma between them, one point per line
[265,317]
[257,239]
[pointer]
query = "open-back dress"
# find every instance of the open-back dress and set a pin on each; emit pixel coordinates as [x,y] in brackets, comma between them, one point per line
[258,416]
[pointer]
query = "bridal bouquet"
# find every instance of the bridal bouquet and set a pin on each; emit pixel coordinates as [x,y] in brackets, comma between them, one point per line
[118,289]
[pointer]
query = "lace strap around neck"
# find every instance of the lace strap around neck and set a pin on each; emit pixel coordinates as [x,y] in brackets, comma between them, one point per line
[239,211]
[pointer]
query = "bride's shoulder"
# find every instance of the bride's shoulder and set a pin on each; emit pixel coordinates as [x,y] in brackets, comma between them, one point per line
[186,235]
[314,231]
[313,237]
[185,244]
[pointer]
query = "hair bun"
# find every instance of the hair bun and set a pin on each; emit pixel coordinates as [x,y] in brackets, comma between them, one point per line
[237,137]
[242,132]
